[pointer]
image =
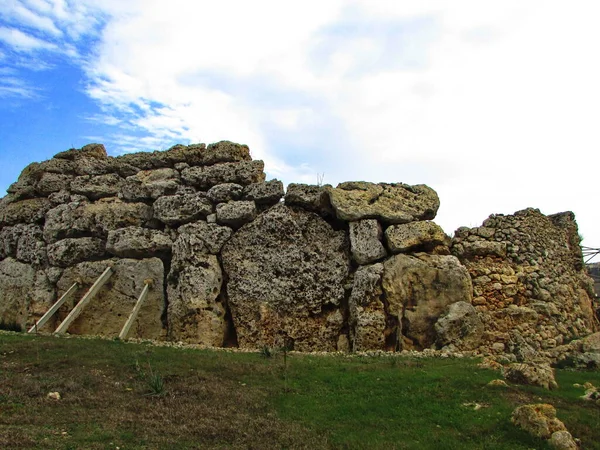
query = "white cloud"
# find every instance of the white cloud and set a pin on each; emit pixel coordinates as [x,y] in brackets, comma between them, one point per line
[16,11]
[23,42]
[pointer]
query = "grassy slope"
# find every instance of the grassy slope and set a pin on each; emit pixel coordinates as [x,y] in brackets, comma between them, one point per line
[215,399]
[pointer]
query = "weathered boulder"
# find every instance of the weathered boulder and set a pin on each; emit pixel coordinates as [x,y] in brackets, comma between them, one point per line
[70,251]
[151,184]
[531,374]
[136,242]
[95,187]
[244,173]
[562,440]
[25,242]
[460,327]
[179,209]
[52,182]
[365,241]
[106,313]
[77,219]
[196,312]
[25,293]
[286,271]
[200,237]
[390,203]
[236,213]
[538,419]
[310,197]
[222,193]
[92,150]
[409,236]
[419,289]
[25,211]
[366,310]
[265,193]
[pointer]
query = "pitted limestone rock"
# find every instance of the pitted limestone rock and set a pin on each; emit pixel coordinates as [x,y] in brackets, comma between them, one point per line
[367,317]
[365,241]
[309,197]
[222,193]
[244,173]
[180,209]
[390,203]
[25,211]
[236,213]
[25,242]
[70,251]
[137,242]
[106,314]
[95,187]
[199,237]
[460,327]
[151,184]
[409,236]
[287,271]
[419,289]
[265,193]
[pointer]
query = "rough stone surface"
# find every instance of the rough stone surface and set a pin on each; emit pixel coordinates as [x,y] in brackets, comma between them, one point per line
[200,237]
[151,184]
[180,209]
[106,314]
[243,173]
[460,327]
[365,241]
[235,214]
[562,440]
[390,203]
[531,374]
[419,289]
[538,419]
[265,193]
[367,316]
[25,242]
[222,193]
[95,187]
[25,211]
[137,242]
[414,235]
[309,197]
[68,252]
[529,286]
[287,270]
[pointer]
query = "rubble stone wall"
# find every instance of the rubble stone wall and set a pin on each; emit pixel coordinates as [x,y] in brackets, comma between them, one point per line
[236,261]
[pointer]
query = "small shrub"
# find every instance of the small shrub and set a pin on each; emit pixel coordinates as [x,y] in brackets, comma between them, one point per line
[267,352]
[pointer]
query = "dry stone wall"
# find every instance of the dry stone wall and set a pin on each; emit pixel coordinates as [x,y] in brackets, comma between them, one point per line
[236,261]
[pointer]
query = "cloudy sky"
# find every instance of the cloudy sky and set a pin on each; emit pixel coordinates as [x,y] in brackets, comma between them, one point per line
[495,104]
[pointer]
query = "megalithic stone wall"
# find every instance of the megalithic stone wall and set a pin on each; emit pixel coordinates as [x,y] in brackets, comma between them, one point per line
[236,261]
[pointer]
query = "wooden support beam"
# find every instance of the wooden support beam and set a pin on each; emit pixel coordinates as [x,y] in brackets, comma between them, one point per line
[62,328]
[135,311]
[40,323]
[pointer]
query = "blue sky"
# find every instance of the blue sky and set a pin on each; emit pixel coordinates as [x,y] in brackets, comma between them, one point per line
[493,104]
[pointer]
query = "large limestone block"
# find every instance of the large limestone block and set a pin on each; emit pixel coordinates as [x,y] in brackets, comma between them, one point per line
[404,237]
[460,327]
[196,313]
[136,242]
[235,214]
[151,184]
[179,209]
[287,270]
[199,237]
[92,150]
[310,197]
[78,219]
[225,192]
[52,182]
[538,419]
[95,187]
[25,293]
[106,313]
[25,242]
[267,193]
[367,317]
[365,241]
[419,289]
[24,211]
[391,203]
[243,173]
[70,251]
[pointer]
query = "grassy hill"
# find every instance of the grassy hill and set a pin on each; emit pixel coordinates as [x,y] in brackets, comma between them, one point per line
[132,396]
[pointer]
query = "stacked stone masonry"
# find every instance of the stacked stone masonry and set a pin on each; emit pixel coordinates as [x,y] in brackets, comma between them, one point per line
[236,261]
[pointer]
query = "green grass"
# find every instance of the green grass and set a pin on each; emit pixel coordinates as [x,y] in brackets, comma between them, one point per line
[134,396]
